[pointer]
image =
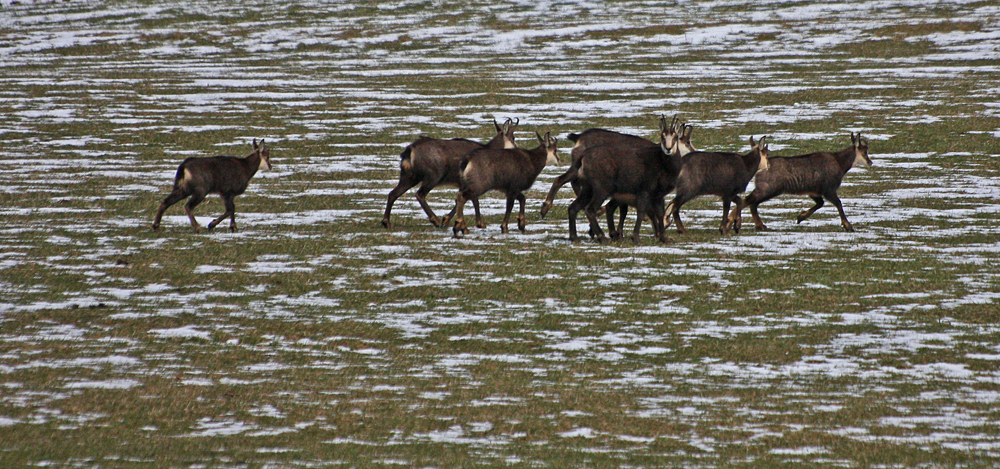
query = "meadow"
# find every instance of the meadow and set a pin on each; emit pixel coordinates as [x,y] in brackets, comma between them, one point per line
[315,337]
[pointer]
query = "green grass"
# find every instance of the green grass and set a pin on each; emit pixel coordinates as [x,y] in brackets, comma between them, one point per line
[315,337]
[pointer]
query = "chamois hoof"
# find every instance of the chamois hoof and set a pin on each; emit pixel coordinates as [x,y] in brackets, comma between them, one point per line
[481,225]
[546,206]
[763,228]
[503,229]
[437,222]
[386,224]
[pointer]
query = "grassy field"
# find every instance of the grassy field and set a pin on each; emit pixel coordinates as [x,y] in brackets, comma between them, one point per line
[314,337]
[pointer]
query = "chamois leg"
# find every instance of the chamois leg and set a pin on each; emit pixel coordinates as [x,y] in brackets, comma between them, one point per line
[395,193]
[833,198]
[574,209]
[724,227]
[621,217]
[819,203]
[230,213]
[609,211]
[506,214]
[560,181]
[753,200]
[479,216]
[422,199]
[641,209]
[676,213]
[596,199]
[735,221]
[193,202]
[173,198]
[460,225]
[656,216]
[522,221]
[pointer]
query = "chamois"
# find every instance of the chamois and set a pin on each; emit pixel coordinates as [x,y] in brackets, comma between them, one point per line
[511,171]
[817,175]
[593,137]
[636,176]
[227,176]
[432,162]
[717,173]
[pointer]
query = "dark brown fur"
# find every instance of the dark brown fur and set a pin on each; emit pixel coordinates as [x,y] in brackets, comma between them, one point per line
[817,175]
[227,176]
[432,162]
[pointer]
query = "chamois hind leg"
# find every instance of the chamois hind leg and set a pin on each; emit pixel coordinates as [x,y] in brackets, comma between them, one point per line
[753,200]
[676,213]
[735,220]
[642,208]
[173,198]
[621,217]
[726,203]
[460,225]
[579,203]
[805,214]
[506,214]
[595,200]
[656,216]
[193,202]
[833,198]
[480,223]
[609,212]
[522,221]
[400,189]
[230,212]
[422,199]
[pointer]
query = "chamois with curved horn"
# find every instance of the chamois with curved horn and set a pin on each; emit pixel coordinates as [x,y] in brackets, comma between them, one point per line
[636,176]
[432,162]
[717,173]
[511,171]
[817,175]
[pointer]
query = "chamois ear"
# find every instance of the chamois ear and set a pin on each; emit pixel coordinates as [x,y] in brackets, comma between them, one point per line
[255,144]
[540,139]
[496,126]
[753,144]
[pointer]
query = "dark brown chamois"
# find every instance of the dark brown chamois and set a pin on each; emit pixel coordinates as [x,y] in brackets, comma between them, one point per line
[432,162]
[817,175]
[227,176]
[633,176]
[717,173]
[510,171]
[593,137]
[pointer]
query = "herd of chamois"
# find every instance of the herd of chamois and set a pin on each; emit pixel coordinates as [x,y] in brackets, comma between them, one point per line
[624,170]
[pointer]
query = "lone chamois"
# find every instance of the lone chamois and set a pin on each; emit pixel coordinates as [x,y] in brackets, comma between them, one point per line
[227,176]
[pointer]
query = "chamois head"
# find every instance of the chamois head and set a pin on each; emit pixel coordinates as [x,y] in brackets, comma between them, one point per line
[684,139]
[551,150]
[507,130]
[265,155]
[668,135]
[669,142]
[762,149]
[860,150]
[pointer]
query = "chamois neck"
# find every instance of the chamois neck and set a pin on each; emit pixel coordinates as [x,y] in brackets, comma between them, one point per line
[252,162]
[845,158]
